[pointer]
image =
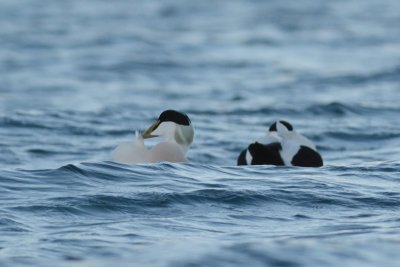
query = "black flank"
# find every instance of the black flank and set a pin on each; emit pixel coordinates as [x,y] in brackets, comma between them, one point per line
[307,157]
[242,158]
[266,154]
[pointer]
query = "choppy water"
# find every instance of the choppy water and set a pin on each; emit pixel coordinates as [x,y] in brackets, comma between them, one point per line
[77,77]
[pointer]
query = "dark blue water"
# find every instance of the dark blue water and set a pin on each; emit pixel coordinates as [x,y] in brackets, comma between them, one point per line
[78,77]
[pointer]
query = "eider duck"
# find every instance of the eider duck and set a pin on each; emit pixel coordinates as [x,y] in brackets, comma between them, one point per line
[283,147]
[177,133]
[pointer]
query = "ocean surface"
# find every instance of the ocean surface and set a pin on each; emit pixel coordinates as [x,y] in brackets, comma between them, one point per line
[79,77]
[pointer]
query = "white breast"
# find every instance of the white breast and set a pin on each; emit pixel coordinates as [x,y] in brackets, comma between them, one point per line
[167,151]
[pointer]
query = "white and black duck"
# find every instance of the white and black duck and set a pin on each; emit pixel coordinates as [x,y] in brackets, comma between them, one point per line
[177,133]
[283,147]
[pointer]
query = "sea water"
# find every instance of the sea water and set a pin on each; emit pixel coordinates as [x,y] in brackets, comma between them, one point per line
[79,77]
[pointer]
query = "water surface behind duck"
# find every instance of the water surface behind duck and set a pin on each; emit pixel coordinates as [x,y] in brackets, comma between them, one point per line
[78,78]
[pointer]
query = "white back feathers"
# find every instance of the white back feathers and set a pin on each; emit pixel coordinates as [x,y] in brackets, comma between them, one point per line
[131,152]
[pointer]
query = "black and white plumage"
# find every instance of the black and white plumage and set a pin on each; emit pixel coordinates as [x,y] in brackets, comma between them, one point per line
[260,154]
[283,146]
[177,133]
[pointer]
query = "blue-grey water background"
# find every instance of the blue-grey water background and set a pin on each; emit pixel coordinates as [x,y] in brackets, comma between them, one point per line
[78,77]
